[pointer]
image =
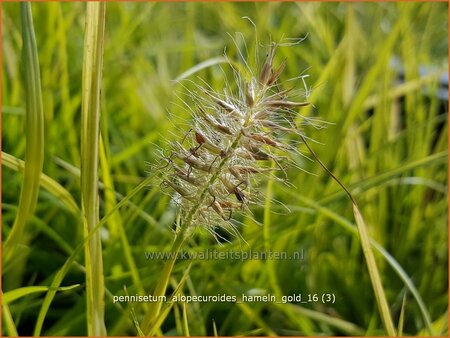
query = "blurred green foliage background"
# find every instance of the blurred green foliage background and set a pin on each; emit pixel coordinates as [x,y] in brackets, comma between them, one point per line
[374,69]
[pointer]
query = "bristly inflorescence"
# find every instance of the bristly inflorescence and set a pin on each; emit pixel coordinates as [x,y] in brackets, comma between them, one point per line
[232,142]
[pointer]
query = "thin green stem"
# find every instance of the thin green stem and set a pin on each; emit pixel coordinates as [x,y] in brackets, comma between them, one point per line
[160,290]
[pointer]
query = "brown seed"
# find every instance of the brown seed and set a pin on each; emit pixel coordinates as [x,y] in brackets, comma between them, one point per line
[224,129]
[199,138]
[276,126]
[285,104]
[203,141]
[239,194]
[265,139]
[218,209]
[243,153]
[238,171]
[276,73]
[237,174]
[249,95]
[258,154]
[226,180]
[266,71]
[262,115]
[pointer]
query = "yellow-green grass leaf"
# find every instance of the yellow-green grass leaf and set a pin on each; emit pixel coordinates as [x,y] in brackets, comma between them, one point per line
[9,322]
[200,66]
[90,130]
[45,182]
[116,220]
[34,132]
[142,213]
[136,323]
[15,294]
[185,322]
[372,74]
[401,319]
[374,274]
[271,269]
[439,327]
[343,325]
[214,328]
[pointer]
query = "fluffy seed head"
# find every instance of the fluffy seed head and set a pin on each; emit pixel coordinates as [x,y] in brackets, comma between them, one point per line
[215,167]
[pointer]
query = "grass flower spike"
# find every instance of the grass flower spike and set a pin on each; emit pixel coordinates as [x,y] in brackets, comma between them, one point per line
[232,141]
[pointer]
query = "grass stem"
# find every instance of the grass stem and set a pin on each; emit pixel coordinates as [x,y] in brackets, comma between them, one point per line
[160,290]
[90,114]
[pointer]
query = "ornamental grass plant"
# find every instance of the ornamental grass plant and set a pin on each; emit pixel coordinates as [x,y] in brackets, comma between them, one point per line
[175,134]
